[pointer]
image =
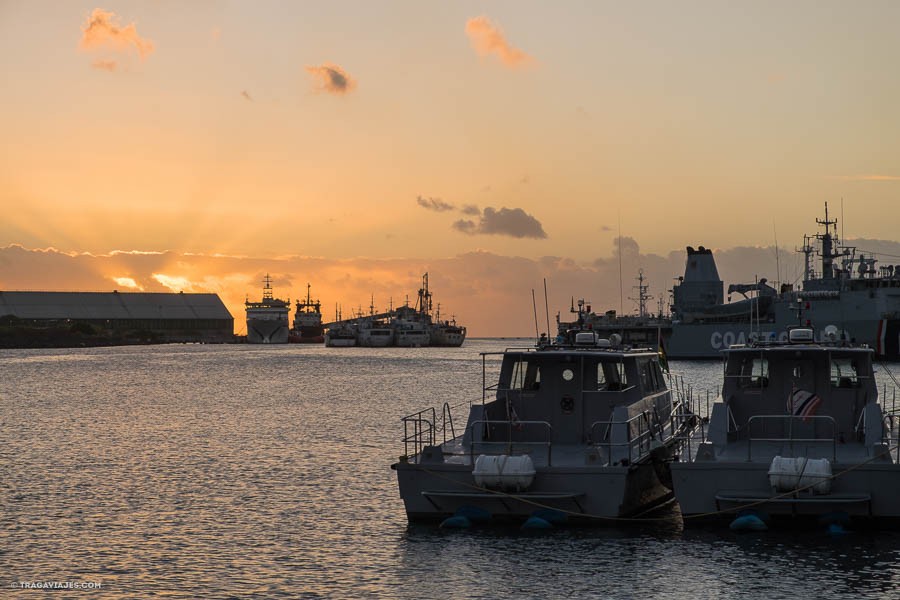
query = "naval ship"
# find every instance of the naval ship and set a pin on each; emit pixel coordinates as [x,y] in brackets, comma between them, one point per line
[846,291]
[643,329]
[267,320]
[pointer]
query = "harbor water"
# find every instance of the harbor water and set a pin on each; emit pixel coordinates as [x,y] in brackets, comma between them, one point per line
[226,471]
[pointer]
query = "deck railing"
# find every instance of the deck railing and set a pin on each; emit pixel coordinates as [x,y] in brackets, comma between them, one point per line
[791,439]
[508,442]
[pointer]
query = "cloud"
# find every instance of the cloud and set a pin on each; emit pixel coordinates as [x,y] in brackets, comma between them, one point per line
[435,204]
[331,78]
[605,228]
[127,282]
[465,226]
[866,177]
[487,39]
[470,209]
[489,293]
[104,65]
[513,222]
[174,283]
[100,31]
[246,95]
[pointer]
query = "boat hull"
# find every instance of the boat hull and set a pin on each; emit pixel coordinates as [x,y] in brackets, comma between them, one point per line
[432,492]
[267,331]
[715,491]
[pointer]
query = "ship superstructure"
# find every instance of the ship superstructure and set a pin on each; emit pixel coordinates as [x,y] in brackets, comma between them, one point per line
[267,320]
[848,291]
[643,329]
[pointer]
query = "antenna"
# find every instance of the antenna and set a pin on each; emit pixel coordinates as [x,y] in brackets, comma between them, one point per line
[547,306]
[777,262]
[619,242]
[534,306]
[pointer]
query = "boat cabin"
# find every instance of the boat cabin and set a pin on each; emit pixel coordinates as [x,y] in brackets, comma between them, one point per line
[573,396]
[799,390]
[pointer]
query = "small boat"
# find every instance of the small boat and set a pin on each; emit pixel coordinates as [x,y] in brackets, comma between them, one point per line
[582,432]
[797,433]
[342,336]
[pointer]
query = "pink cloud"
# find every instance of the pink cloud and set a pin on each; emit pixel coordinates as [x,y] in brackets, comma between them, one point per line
[487,39]
[101,32]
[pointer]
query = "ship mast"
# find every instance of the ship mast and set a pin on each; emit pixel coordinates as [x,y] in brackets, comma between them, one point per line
[643,296]
[267,291]
[828,253]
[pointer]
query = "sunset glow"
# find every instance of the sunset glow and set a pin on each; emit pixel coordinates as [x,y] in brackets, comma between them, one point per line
[355,146]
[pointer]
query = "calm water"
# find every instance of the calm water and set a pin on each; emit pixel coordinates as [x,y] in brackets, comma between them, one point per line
[246,471]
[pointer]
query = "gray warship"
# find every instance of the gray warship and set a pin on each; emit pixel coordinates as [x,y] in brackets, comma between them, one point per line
[798,431]
[847,291]
[644,329]
[575,432]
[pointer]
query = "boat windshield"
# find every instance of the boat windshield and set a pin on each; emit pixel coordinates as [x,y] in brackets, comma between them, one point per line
[752,372]
[526,375]
[844,373]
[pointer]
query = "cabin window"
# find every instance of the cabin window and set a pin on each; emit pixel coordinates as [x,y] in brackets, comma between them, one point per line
[755,372]
[526,376]
[568,374]
[611,376]
[649,379]
[844,373]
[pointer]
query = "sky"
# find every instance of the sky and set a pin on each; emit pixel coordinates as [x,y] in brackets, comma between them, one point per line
[357,145]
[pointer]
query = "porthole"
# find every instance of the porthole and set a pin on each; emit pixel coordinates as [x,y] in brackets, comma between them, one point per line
[568,374]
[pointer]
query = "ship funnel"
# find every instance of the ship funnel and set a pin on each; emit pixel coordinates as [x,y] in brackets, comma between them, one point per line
[701,286]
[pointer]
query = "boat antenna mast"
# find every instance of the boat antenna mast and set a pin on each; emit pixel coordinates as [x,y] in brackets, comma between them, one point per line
[643,296]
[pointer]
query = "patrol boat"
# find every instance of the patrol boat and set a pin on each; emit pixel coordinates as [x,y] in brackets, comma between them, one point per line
[579,432]
[798,431]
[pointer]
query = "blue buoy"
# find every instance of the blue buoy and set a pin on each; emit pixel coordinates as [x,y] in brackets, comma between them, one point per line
[536,523]
[748,523]
[473,513]
[834,529]
[456,522]
[550,515]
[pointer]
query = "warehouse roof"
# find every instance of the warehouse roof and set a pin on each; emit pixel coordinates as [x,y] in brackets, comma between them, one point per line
[112,305]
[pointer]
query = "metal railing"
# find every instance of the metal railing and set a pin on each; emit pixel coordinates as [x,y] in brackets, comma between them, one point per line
[508,442]
[649,427]
[421,429]
[791,439]
[418,431]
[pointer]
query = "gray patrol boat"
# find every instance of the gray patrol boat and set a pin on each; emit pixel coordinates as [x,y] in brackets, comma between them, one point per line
[798,431]
[847,291]
[572,432]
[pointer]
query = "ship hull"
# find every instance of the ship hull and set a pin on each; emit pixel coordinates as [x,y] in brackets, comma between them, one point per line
[412,339]
[447,339]
[707,340]
[368,340]
[267,331]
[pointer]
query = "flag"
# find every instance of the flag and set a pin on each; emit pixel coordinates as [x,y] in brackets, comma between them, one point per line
[802,403]
[661,349]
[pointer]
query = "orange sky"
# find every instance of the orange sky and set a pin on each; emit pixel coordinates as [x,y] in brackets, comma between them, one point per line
[386,139]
